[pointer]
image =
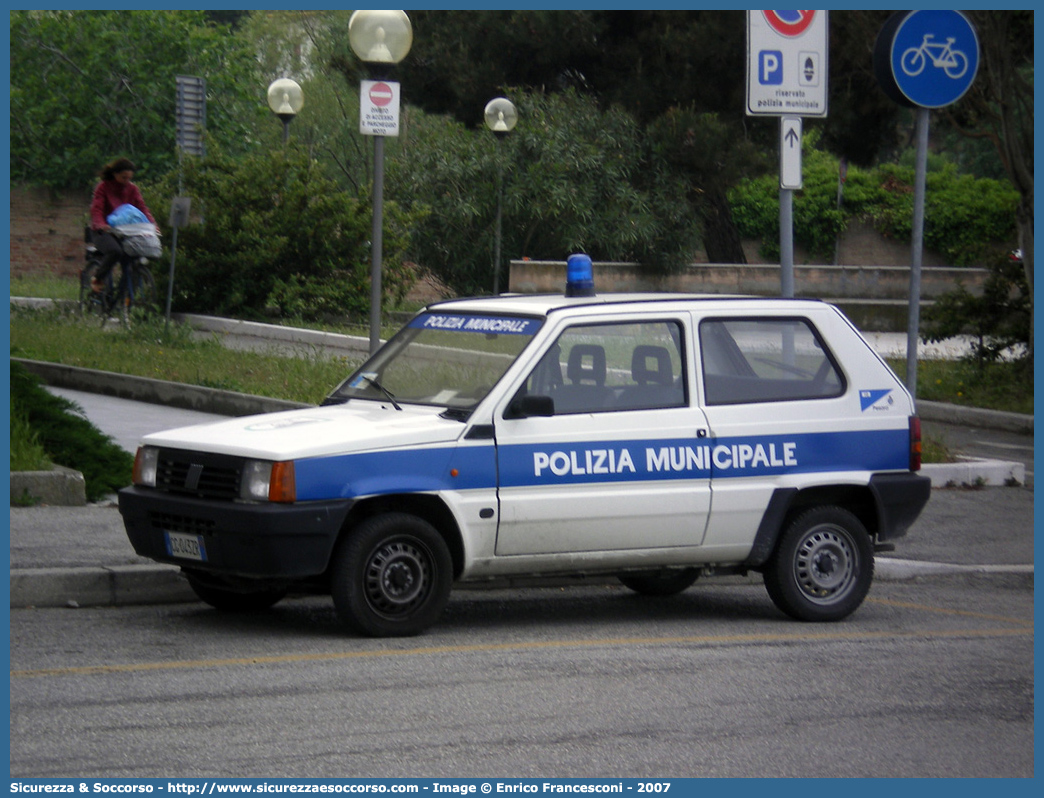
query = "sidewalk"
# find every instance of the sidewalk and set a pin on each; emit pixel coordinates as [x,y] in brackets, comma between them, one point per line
[80,556]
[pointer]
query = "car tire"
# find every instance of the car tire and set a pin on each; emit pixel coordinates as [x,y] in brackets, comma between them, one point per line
[232,600]
[391,576]
[660,583]
[822,567]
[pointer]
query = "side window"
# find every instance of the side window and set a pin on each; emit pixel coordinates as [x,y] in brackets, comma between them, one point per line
[765,360]
[607,367]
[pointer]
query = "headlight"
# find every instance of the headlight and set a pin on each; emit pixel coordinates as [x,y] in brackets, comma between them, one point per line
[264,480]
[145,463]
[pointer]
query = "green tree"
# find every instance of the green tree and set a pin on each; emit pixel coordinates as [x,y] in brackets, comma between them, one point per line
[306,46]
[87,86]
[1000,109]
[572,177]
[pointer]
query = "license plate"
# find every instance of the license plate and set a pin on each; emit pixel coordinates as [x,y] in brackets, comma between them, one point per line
[188,547]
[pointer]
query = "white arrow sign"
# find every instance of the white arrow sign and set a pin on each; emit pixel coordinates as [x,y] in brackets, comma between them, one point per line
[790,152]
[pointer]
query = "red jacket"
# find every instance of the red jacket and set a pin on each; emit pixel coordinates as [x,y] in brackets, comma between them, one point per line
[109,195]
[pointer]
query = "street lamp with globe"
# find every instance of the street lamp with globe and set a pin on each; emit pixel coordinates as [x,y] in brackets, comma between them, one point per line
[501,118]
[286,99]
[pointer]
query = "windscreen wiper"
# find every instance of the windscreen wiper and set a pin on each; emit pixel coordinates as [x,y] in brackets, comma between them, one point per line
[382,389]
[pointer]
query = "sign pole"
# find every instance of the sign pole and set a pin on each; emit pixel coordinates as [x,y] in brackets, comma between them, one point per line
[378,117]
[923,60]
[787,77]
[913,322]
[376,243]
[789,180]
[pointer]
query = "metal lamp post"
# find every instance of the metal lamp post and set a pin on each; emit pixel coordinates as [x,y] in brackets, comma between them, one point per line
[286,99]
[380,39]
[501,118]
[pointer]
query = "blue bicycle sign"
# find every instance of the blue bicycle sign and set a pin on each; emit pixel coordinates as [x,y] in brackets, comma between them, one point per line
[932,57]
[943,56]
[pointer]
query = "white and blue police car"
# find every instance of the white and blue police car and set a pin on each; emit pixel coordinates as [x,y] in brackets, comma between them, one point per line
[655,438]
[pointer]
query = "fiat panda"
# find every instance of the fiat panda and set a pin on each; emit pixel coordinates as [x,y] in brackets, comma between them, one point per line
[653,438]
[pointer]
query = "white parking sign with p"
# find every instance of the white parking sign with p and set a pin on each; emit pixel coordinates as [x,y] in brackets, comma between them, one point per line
[787,63]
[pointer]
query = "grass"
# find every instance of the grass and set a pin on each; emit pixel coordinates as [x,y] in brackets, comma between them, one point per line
[997,386]
[50,286]
[150,350]
[27,453]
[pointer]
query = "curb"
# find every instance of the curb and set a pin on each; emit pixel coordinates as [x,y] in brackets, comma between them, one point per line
[889,569]
[130,585]
[101,586]
[60,486]
[274,332]
[975,417]
[975,472]
[158,392]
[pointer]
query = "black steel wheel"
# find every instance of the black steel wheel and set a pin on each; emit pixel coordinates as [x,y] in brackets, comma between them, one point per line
[823,566]
[391,576]
[229,600]
[660,583]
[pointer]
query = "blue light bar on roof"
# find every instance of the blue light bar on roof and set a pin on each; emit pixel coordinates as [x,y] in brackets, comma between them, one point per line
[579,276]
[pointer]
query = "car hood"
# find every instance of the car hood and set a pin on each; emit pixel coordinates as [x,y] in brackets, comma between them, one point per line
[357,426]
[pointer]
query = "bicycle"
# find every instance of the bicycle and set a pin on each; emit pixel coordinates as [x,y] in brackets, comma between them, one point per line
[133,293]
[953,62]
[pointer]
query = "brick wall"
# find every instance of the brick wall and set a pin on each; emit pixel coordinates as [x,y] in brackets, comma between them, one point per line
[47,231]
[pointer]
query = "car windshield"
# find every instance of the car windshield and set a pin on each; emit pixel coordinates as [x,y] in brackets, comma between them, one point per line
[449,360]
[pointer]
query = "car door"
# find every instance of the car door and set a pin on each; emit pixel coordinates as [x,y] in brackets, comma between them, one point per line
[617,464]
[777,405]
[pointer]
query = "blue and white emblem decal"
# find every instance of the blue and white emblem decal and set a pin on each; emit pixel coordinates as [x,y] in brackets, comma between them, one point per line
[868,399]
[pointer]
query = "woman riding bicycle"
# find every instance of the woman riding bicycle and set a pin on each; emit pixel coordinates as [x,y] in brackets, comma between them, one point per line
[114,189]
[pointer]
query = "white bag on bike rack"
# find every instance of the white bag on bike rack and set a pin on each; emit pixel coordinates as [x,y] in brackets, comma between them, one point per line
[140,239]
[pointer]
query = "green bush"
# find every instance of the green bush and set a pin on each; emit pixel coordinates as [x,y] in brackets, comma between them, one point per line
[69,439]
[966,218]
[270,228]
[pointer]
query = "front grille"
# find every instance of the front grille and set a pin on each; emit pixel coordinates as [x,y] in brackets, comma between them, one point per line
[172,522]
[199,474]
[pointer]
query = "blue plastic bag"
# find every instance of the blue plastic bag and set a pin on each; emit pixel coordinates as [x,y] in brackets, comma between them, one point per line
[126,214]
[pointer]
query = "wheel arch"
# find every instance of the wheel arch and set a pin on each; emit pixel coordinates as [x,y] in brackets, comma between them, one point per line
[426,506]
[787,503]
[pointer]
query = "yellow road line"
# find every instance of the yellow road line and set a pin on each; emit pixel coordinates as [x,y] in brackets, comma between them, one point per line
[944,611]
[533,645]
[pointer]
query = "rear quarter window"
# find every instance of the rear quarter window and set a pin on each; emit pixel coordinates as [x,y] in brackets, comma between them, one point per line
[766,360]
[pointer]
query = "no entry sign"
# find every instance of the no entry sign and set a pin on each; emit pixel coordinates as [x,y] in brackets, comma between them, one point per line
[381,94]
[379,108]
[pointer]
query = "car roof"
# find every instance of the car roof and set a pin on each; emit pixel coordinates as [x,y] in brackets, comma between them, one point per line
[545,304]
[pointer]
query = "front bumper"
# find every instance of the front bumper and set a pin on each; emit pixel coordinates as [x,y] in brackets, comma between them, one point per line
[270,541]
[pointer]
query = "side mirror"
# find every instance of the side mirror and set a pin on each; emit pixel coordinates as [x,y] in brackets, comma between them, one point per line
[528,406]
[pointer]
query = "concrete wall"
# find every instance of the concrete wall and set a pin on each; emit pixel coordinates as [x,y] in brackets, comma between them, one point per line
[822,282]
[874,297]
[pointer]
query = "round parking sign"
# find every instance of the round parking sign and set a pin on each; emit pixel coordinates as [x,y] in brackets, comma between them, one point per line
[789,23]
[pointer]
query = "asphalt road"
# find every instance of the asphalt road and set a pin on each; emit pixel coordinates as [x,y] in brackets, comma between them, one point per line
[927,679]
